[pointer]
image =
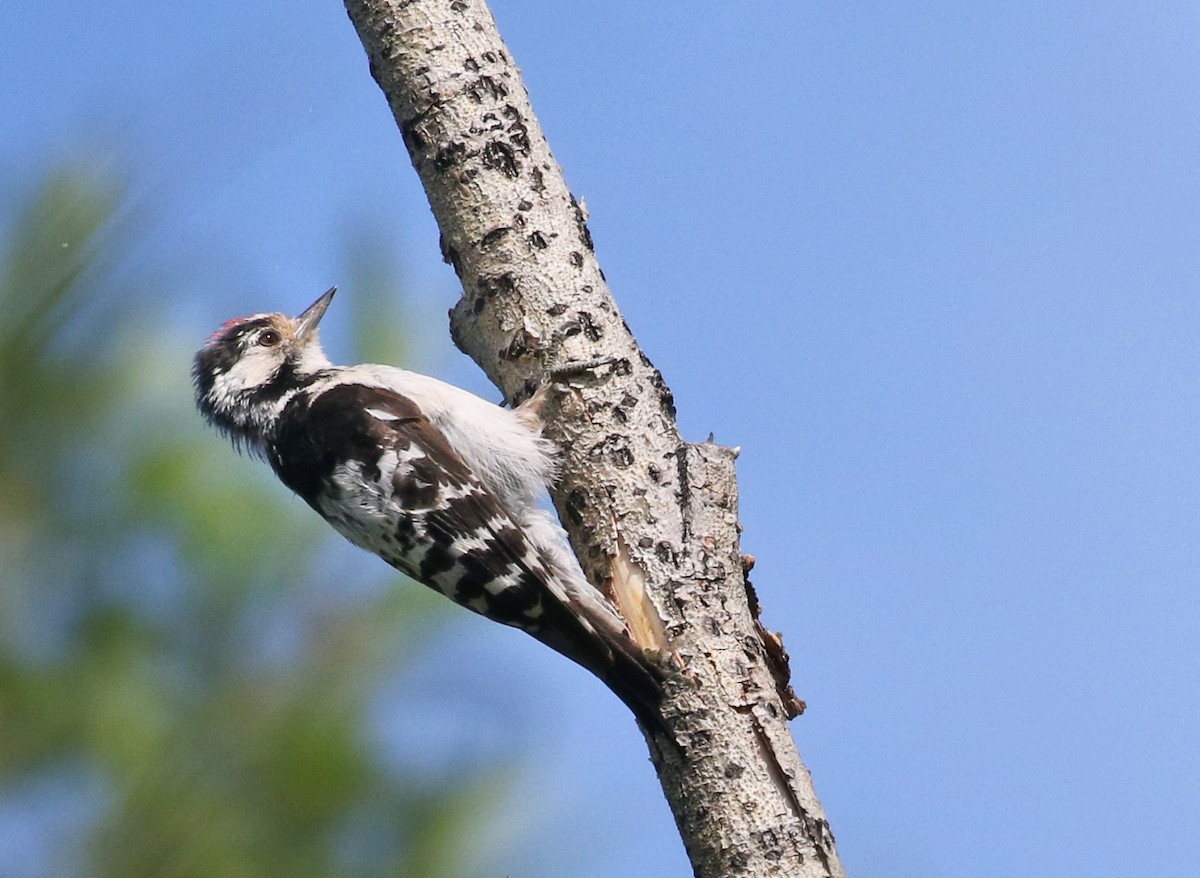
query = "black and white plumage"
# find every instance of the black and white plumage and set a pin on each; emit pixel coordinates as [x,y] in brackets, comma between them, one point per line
[441,484]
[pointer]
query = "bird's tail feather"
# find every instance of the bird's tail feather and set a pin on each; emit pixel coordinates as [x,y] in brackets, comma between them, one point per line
[634,676]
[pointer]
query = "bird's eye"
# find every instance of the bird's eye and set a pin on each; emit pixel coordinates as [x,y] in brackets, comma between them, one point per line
[268,338]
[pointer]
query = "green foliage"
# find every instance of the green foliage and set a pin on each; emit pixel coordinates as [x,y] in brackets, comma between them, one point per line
[172,638]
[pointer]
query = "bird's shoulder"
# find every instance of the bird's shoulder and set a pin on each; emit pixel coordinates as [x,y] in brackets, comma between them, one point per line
[333,424]
[446,526]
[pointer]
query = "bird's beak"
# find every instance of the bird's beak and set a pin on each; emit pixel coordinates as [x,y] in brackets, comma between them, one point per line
[307,322]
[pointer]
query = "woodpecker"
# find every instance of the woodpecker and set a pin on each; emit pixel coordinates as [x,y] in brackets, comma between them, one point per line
[439,483]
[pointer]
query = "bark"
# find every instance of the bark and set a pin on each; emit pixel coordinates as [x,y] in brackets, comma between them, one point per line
[652,518]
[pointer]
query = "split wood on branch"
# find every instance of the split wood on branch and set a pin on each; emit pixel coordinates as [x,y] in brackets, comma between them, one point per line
[652,518]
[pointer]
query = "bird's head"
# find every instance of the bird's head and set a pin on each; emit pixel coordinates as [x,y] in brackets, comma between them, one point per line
[249,368]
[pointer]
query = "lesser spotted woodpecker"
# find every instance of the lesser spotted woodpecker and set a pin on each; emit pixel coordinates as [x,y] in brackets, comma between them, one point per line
[437,482]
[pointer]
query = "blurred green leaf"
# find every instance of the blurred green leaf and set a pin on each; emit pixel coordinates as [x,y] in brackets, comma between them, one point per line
[168,638]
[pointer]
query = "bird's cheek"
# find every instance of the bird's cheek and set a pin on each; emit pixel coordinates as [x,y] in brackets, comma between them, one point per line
[256,368]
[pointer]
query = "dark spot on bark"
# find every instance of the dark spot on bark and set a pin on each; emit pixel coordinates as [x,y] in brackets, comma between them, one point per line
[685,490]
[667,401]
[525,205]
[449,155]
[585,236]
[522,345]
[472,65]
[410,132]
[655,474]
[489,57]
[491,238]
[487,86]
[576,258]
[622,367]
[591,331]
[645,542]
[734,770]
[518,132]
[576,501]
[495,285]
[479,304]
[768,844]
[538,241]
[458,6]
[619,416]
[613,449]
[450,255]
[556,310]
[663,552]
[499,156]
[537,181]
[491,123]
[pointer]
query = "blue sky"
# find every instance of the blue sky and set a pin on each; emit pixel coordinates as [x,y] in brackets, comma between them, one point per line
[934,266]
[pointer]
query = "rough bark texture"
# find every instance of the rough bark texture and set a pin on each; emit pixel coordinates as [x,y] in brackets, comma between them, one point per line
[653,519]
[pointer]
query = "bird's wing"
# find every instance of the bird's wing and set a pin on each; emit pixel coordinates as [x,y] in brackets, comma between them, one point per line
[431,516]
[406,495]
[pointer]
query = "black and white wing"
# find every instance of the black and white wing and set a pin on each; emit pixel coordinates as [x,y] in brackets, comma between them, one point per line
[374,466]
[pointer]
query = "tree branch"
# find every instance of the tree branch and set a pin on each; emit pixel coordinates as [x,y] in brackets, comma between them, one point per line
[652,518]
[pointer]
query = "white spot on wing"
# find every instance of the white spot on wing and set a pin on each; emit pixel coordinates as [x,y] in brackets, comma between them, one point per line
[381,415]
[459,492]
[497,585]
[467,544]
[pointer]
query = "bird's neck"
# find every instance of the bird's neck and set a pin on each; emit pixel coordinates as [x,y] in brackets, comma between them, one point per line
[249,416]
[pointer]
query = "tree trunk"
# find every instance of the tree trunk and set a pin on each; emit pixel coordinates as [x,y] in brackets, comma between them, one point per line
[652,518]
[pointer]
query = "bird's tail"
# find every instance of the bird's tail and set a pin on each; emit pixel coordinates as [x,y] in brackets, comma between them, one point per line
[589,631]
[634,676]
